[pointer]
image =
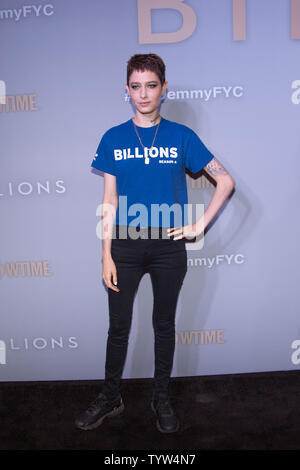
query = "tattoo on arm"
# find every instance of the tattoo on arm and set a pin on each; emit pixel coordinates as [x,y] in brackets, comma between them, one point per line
[215,168]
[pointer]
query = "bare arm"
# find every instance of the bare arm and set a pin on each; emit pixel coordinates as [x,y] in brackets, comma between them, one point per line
[225,185]
[109,207]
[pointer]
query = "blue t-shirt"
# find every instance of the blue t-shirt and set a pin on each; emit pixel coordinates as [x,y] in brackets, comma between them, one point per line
[151,183]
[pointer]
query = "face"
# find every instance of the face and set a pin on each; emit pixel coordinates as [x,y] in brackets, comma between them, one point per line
[145,90]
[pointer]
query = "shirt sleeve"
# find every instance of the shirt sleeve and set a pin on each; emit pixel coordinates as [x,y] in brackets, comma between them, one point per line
[104,157]
[196,153]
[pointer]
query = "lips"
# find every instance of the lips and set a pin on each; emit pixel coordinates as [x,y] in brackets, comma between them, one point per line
[145,104]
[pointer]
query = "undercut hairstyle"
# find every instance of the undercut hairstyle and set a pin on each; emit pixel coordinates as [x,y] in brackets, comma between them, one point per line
[142,62]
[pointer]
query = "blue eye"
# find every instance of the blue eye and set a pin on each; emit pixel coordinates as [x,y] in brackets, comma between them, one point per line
[151,85]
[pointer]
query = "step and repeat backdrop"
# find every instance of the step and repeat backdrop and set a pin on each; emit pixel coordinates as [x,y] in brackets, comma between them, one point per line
[234,78]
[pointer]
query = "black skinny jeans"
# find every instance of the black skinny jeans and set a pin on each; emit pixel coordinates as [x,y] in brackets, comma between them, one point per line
[166,262]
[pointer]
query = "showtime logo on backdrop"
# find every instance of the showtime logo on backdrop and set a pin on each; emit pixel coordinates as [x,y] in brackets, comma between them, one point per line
[2,92]
[25,269]
[26,11]
[18,103]
[201,337]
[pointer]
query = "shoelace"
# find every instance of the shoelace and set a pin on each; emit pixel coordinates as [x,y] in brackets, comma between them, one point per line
[95,404]
[164,408]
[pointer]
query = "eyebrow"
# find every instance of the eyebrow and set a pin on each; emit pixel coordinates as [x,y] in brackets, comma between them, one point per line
[138,83]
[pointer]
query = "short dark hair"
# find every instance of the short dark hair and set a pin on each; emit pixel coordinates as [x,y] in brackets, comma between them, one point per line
[143,62]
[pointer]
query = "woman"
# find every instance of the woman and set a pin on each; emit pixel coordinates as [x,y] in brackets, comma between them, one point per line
[144,161]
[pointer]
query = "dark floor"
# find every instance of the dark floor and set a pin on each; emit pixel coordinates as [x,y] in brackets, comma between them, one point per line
[225,412]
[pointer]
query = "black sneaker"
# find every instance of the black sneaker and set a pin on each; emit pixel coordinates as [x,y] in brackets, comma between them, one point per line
[167,420]
[99,409]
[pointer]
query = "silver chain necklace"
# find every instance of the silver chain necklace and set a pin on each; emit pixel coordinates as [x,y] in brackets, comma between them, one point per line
[147,161]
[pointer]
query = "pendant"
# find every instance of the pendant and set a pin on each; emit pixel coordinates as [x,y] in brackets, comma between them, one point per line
[147,160]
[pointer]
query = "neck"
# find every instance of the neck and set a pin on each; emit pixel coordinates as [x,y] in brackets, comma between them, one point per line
[147,120]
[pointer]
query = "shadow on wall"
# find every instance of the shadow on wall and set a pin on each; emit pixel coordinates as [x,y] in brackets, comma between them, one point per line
[200,285]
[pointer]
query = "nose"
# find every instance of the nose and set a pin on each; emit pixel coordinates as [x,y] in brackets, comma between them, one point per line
[143,92]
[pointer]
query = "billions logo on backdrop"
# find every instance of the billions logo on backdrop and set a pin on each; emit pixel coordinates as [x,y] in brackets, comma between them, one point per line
[24,188]
[41,343]
[35,344]
[189,20]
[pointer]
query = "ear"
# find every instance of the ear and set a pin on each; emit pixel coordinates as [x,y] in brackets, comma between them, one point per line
[127,89]
[164,88]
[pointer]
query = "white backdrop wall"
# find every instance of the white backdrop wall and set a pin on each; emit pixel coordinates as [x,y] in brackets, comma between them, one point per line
[233,73]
